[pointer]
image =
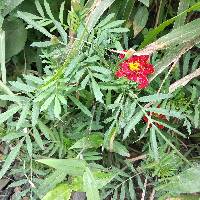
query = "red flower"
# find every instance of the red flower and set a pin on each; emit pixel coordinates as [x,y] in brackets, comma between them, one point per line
[136,68]
[156,115]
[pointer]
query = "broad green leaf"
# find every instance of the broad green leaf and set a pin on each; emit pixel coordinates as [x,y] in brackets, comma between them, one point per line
[9,113]
[154,97]
[27,19]
[145,2]
[38,138]
[97,92]
[80,106]
[91,141]
[61,192]
[10,158]
[71,166]
[154,145]
[35,114]
[57,108]
[9,6]
[50,182]
[15,36]
[186,182]
[90,185]
[29,145]
[140,20]
[23,115]
[97,13]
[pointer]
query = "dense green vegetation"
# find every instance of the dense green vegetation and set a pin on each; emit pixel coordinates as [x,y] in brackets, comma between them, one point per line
[99,97]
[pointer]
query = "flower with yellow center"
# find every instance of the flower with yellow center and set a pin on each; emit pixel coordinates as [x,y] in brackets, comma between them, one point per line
[134,66]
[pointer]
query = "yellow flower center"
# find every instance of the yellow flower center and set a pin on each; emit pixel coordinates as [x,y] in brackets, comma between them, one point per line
[134,66]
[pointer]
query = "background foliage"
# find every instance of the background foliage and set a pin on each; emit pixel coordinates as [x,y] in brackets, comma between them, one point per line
[68,125]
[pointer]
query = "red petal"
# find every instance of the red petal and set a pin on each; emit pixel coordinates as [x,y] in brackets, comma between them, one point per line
[119,73]
[143,82]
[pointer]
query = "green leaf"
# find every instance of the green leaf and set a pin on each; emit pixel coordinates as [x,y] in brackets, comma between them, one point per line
[152,34]
[25,16]
[90,185]
[154,97]
[97,13]
[140,20]
[35,114]
[50,182]
[45,130]
[61,192]
[118,30]
[22,86]
[145,2]
[185,182]
[80,106]
[131,190]
[9,113]
[12,135]
[103,22]
[15,36]
[154,145]
[61,13]
[48,9]
[91,141]
[2,54]
[97,92]
[132,123]
[47,103]
[71,166]
[38,139]
[61,30]
[39,8]
[120,149]
[29,145]
[10,158]
[23,115]
[9,6]
[57,108]
[12,98]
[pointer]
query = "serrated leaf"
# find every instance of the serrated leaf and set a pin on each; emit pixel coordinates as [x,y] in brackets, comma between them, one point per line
[35,114]
[131,190]
[37,138]
[96,89]
[61,30]
[118,30]
[122,192]
[61,192]
[9,113]
[80,106]
[45,130]
[13,98]
[12,135]
[90,185]
[120,149]
[48,9]
[62,99]
[61,13]
[154,97]
[39,8]
[23,115]
[71,166]
[57,108]
[29,145]
[132,123]
[154,145]
[22,86]
[113,24]
[196,115]
[47,103]
[106,20]
[24,16]
[42,44]
[10,158]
